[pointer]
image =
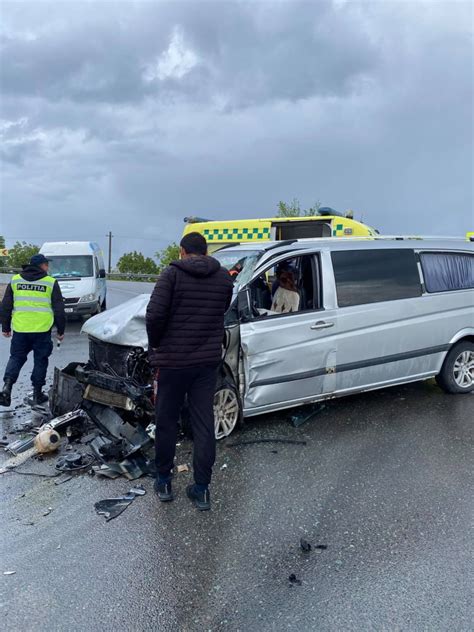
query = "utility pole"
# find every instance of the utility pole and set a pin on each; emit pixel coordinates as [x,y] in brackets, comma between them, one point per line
[110,251]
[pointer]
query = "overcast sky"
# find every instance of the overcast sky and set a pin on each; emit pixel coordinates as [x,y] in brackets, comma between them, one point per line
[128,116]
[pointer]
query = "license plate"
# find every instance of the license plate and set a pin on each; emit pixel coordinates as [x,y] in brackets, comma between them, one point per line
[68,310]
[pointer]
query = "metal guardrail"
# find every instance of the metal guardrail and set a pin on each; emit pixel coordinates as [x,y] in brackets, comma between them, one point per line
[113,276]
[120,276]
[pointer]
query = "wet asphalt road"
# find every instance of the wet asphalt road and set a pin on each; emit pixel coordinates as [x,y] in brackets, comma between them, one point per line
[384,480]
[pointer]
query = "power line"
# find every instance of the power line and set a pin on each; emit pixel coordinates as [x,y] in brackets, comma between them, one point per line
[128,237]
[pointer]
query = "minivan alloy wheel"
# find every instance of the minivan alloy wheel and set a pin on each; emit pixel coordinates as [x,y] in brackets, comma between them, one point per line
[226,411]
[463,369]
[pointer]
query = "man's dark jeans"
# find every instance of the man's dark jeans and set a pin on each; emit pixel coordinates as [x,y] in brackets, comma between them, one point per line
[199,384]
[22,344]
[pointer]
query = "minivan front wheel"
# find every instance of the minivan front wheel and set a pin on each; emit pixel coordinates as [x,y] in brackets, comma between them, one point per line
[457,373]
[227,410]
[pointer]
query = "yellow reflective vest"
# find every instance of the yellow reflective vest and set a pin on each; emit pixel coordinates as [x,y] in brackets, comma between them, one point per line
[32,305]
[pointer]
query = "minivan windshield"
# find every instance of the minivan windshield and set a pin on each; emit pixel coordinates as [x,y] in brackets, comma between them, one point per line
[240,263]
[71,266]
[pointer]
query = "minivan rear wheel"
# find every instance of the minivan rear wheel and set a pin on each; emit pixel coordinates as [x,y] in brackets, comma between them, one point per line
[457,373]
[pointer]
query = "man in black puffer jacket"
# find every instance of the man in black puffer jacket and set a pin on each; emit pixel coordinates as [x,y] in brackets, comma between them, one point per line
[185,326]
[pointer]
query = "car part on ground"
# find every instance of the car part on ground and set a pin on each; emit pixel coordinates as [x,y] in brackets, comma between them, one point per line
[74,462]
[59,423]
[113,507]
[47,440]
[66,392]
[302,414]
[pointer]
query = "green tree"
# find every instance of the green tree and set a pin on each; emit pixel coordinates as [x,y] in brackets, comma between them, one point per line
[167,255]
[293,209]
[136,263]
[21,253]
[2,245]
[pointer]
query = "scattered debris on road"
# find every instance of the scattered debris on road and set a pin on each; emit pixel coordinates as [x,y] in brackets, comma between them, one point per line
[294,581]
[75,462]
[252,441]
[182,468]
[113,507]
[304,413]
[305,545]
[9,572]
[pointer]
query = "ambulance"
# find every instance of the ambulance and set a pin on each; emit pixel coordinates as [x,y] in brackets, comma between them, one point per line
[328,223]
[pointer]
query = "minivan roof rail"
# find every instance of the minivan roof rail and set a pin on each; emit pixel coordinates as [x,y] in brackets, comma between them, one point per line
[417,237]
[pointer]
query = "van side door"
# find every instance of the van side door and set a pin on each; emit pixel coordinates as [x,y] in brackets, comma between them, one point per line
[288,356]
[384,335]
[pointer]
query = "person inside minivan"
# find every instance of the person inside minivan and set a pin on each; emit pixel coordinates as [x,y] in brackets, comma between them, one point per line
[286,298]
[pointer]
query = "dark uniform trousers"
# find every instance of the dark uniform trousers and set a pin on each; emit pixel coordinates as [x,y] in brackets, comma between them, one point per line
[22,344]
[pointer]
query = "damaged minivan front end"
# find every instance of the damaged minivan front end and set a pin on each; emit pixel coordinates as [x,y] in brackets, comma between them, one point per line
[117,387]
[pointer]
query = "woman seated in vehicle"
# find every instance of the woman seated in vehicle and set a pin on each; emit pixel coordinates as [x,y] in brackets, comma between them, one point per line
[286,298]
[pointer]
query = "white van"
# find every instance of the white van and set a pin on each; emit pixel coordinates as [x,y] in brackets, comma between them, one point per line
[79,268]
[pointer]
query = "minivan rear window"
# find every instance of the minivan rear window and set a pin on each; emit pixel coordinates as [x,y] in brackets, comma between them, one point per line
[445,271]
[373,276]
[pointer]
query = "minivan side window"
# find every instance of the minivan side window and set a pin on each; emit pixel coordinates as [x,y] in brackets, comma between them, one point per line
[290,286]
[445,271]
[373,276]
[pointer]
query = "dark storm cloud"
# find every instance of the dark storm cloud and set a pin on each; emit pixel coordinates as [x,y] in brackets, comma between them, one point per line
[248,53]
[131,115]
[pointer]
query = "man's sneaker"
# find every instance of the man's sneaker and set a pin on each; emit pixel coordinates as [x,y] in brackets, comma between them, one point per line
[164,491]
[201,500]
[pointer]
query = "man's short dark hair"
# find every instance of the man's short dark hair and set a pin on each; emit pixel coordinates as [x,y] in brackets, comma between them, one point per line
[194,244]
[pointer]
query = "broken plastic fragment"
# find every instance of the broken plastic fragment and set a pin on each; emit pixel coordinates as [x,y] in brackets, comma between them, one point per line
[304,413]
[138,490]
[305,545]
[105,470]
[113,507]
[9,572]
[182,468]
[294,580]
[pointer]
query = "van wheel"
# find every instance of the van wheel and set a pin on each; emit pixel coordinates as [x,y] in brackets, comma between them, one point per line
[227,409]
[457,373]
[104,305]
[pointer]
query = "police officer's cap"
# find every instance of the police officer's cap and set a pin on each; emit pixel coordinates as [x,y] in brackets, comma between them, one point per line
[37,260]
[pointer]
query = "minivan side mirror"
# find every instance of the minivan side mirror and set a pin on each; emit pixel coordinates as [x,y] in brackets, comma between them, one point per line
[102,273]
[243,304]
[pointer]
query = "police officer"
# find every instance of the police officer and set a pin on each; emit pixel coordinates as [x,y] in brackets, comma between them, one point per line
[32,304]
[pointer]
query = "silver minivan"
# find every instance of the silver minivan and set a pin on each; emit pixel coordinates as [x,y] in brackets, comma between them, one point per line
[322,318]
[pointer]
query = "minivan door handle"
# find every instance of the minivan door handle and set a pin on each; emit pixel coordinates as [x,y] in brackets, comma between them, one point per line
[321,325]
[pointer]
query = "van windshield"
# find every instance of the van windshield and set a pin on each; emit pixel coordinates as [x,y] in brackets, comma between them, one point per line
[71,266]
[239,263]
